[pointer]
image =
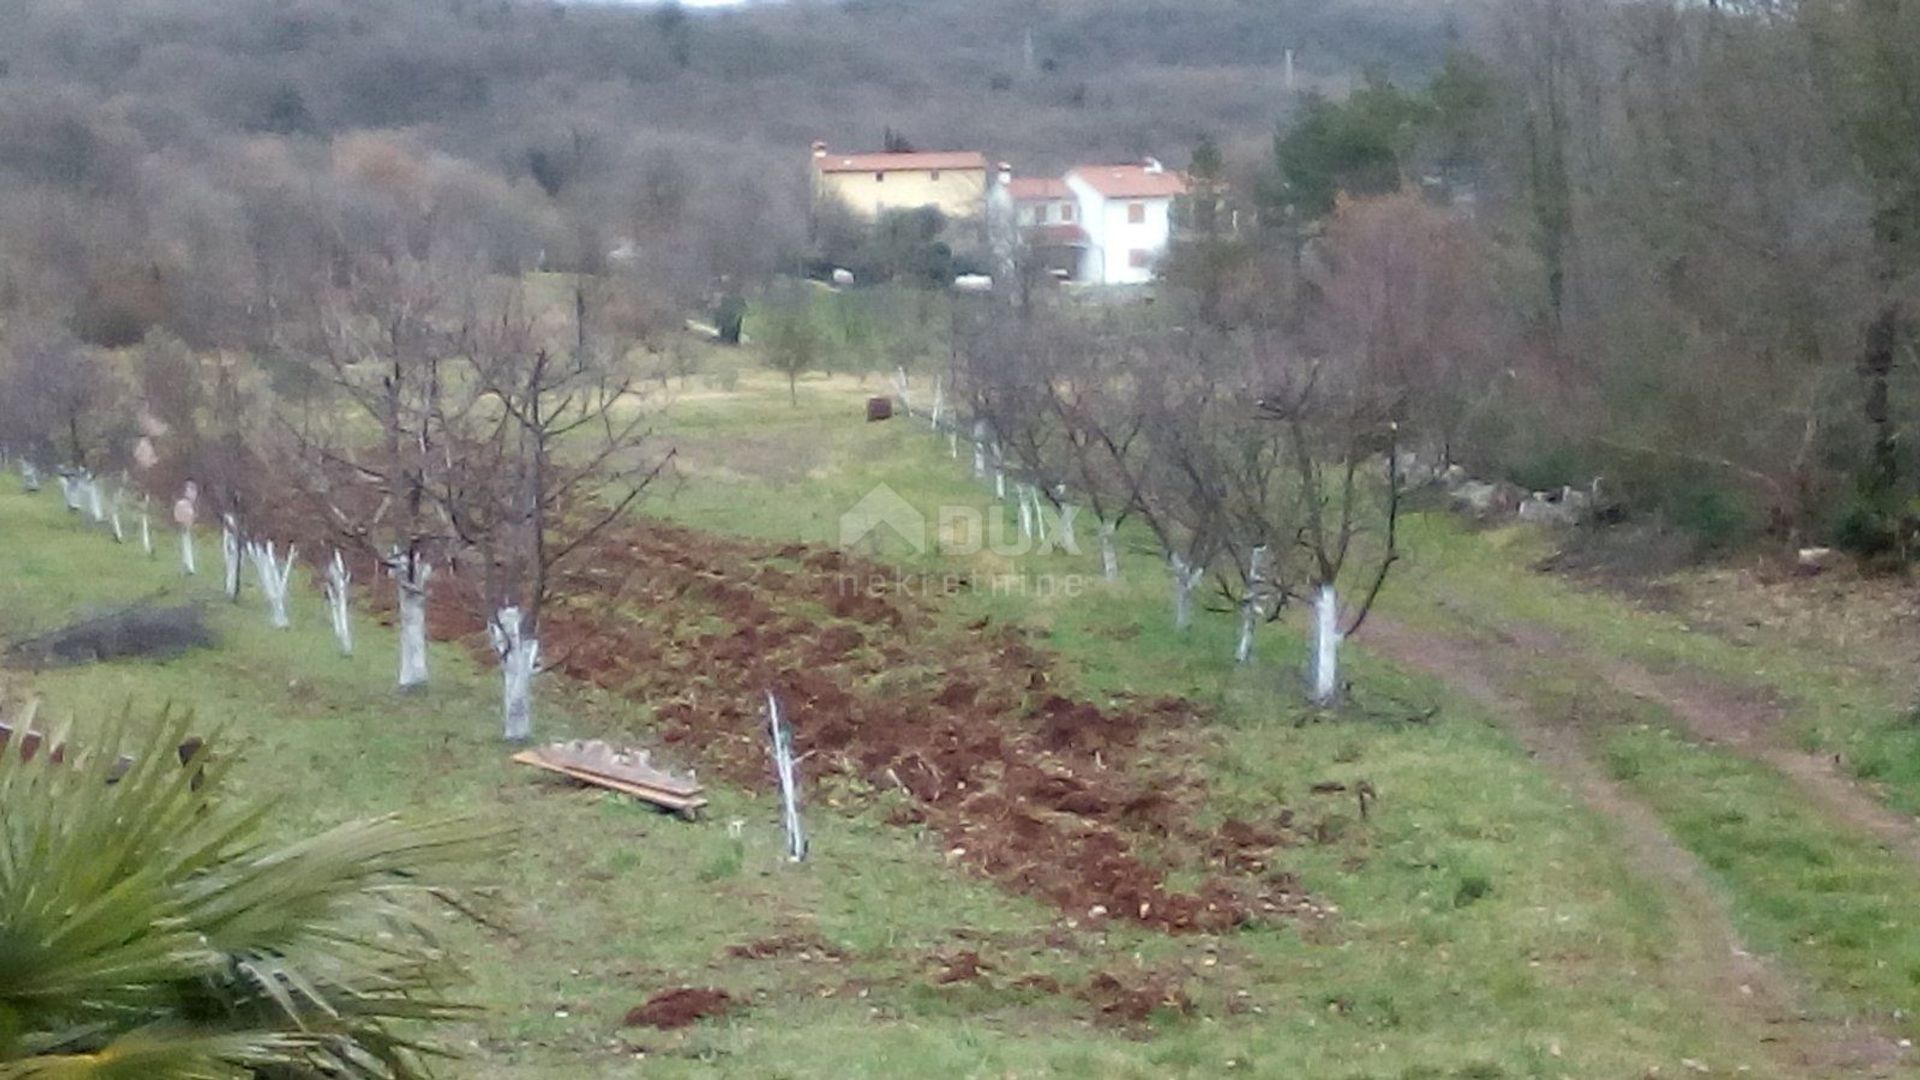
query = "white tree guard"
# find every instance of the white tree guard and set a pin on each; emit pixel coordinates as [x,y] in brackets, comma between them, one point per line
[113,516]
[1253,604]
[900,386]
[186,551]
[1065,536]
[519,658]
[71,491]
[339,578]
[979,449]
[953,445]
[939,405]
[410,577]
[788,772]
[96,508]
[29,477]
[1185,579]
[1326,646]
[230,555]
[1109,552]
[1022,493]
[146,528]
[274,574]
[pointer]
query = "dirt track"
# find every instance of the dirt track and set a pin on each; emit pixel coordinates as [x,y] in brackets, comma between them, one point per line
[1710,959]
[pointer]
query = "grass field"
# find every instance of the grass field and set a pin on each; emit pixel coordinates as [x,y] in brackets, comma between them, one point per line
[1486,924]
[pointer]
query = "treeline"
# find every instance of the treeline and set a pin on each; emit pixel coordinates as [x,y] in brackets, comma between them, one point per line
[1666,246]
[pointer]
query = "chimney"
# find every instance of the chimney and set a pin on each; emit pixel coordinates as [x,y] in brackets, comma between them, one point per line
[819,149]
[1006,173]
[1152,165]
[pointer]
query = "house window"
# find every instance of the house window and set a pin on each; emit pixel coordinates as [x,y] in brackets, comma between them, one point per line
[1045,211]
[1066,211]
[1137,213]
[1139,258]
[935,174]
[879,176]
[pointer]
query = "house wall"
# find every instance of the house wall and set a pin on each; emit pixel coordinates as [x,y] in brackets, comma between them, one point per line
[1112,238]
[959,193]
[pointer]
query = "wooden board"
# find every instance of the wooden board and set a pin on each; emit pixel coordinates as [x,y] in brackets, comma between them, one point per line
[682,803]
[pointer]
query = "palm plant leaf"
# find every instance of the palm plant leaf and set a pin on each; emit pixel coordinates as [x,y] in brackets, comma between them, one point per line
[153,929]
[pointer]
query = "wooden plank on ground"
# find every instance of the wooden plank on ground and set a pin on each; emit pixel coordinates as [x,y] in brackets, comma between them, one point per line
[683,801]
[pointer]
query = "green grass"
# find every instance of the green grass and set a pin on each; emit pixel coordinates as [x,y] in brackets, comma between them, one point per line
[1454,576]
[1485,927]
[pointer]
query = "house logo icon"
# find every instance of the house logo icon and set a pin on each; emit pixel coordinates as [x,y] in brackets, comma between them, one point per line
[881,508]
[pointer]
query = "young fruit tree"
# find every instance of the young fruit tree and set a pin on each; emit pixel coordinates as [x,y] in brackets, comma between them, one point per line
[552,448]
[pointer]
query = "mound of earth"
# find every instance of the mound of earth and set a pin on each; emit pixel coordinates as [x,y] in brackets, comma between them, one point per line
[1088,805]
[679,1008]
[140,632]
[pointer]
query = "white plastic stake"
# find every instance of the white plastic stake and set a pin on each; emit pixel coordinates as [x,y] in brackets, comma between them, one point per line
[788,772]
[519,656]
[338,580]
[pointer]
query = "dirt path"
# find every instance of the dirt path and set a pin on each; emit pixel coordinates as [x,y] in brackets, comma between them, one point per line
[1750,724]
[1710,958]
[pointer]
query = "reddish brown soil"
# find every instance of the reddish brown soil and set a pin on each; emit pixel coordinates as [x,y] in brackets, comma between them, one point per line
[1133,998]
[798,946]
[678,1008]
[1087,806]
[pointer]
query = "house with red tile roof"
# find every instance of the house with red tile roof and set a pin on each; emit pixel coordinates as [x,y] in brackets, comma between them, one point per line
[1127,214]
[871,184]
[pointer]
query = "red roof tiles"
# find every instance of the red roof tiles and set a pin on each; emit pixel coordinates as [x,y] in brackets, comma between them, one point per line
[1131,181]
[922,162]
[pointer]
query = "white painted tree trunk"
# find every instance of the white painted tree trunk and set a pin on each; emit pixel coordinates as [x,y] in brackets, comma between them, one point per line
[186,551]
[1065,536]
[979,449]
[274,575]
[519,657]
[411,576]
[1253,604]
[230,554]
[1109,552]
[788,772]
[338,581]
[1185,579]
[1326,646]
[900,386]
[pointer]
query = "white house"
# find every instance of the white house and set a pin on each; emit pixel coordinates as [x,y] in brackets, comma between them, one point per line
[1126,213]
